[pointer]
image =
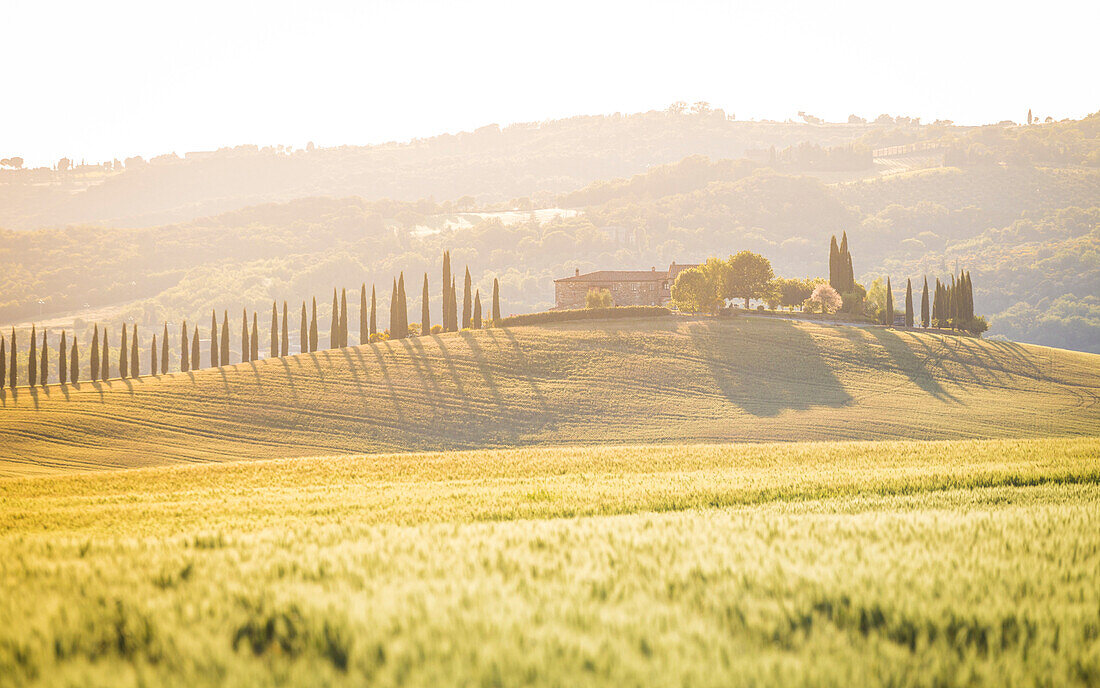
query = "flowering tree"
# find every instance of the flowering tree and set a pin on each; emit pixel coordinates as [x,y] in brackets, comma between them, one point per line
[824,298]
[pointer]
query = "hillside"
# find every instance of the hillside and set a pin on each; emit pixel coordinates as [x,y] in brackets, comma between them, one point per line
[674,381]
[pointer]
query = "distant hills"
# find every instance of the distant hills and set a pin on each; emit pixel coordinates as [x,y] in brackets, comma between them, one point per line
[671,381]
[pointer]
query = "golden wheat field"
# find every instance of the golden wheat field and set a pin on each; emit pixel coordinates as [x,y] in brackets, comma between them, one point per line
[829,564]
[617,382]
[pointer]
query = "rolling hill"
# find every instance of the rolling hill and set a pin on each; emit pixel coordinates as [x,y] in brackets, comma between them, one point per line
[633,381]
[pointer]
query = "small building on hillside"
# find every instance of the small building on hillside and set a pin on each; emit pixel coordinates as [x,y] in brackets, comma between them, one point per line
[627,287]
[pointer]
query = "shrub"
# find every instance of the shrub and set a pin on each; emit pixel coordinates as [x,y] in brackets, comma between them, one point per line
[825,299]
[585,314]
[598,299]
[436,329]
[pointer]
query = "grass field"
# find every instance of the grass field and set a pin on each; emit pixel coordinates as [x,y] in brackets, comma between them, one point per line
[880,563]
[635,381]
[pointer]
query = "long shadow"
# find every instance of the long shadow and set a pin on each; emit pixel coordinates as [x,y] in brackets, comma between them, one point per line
[419,359]
[909,364]
[752,376]
[523,368]
[483,368]
[388,381]
[290,377]
[353,368]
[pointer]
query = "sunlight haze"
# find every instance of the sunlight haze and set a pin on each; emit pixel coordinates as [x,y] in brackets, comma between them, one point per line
[106,80]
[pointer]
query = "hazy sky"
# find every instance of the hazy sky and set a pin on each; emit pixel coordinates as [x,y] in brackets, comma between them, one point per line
[106,79]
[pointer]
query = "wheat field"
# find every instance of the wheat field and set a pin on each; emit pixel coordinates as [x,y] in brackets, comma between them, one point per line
[620,382]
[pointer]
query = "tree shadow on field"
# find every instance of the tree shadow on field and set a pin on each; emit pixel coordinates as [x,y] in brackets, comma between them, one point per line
[523,369]
[753,374]
[909,364]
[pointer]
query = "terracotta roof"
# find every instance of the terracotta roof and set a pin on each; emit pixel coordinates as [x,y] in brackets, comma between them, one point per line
[618,276]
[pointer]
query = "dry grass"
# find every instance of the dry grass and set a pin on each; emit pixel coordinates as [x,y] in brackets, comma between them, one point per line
[671,381]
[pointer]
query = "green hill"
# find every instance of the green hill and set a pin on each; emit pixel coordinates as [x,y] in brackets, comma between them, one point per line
[635,381]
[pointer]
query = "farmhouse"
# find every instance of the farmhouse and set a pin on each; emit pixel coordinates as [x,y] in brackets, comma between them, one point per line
[627,287]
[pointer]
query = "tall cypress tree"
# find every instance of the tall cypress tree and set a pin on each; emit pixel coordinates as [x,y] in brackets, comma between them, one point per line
[402,306]
[196,362]
[334,326]
[303,332]
[446,291]
[44,365]
[425,312]
[284,349]
[185,349]
[364,323]
[246,348]
[909,303]
[343,317]
[467,299]
[3,362]
[313,327]
[215,348]
[135,357]
[453,307]
[32,367]
[393,311]
[13,371]
[844,267]
[74,363]
[105,357]
[123,355]
[969,297]
[373,313]
[477,310]
[223,353]
[164,351]
[274,350]
[834,265]
[94,362]
[889,322]
[254,352]
[153,370]
[924,304]
[63,360]
[496,301]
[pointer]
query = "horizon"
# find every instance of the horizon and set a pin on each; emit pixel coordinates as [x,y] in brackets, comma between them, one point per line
[213,76]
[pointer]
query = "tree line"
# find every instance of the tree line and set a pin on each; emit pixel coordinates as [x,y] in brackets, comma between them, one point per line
[219,351]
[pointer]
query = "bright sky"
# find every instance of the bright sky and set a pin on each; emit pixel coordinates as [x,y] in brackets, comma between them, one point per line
[105,79]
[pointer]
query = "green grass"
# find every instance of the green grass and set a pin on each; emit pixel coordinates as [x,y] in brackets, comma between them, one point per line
[880,563]
[624,382]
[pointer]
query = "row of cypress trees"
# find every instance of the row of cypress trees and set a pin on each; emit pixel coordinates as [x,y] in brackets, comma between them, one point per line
[841,274]
[129,365]
[949,306]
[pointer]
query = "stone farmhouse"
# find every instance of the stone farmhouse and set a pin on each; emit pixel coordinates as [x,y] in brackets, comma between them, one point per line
[627,287]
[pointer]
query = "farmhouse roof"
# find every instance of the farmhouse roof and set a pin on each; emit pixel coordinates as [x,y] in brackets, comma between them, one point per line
[650,275]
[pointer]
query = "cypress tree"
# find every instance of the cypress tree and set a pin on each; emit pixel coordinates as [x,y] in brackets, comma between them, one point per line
[952,302]
[924,304]
[844,257]
[196,363]
[135,358]
[373,314]
[123,353]
[969,297]
[343,317]
[284,350]
[246,348]
[393,311]
[496,301]
[3,362]
[334,325]
[889,304]
[402,306]
[32,368]
[13,372]
[153,356]
[313,327]
[94,362]
[185,349]
[834,265]
[364,324]
[105,359]
[215,348]
[446,291]
[425,312]
[477,310]
[303,333]
[936,305]
[223,349]
[164,351]
[254,353]
[62,360]
[273,352]
[74,364]
[909,303]
[44,378]
[467,300]
[453,307]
